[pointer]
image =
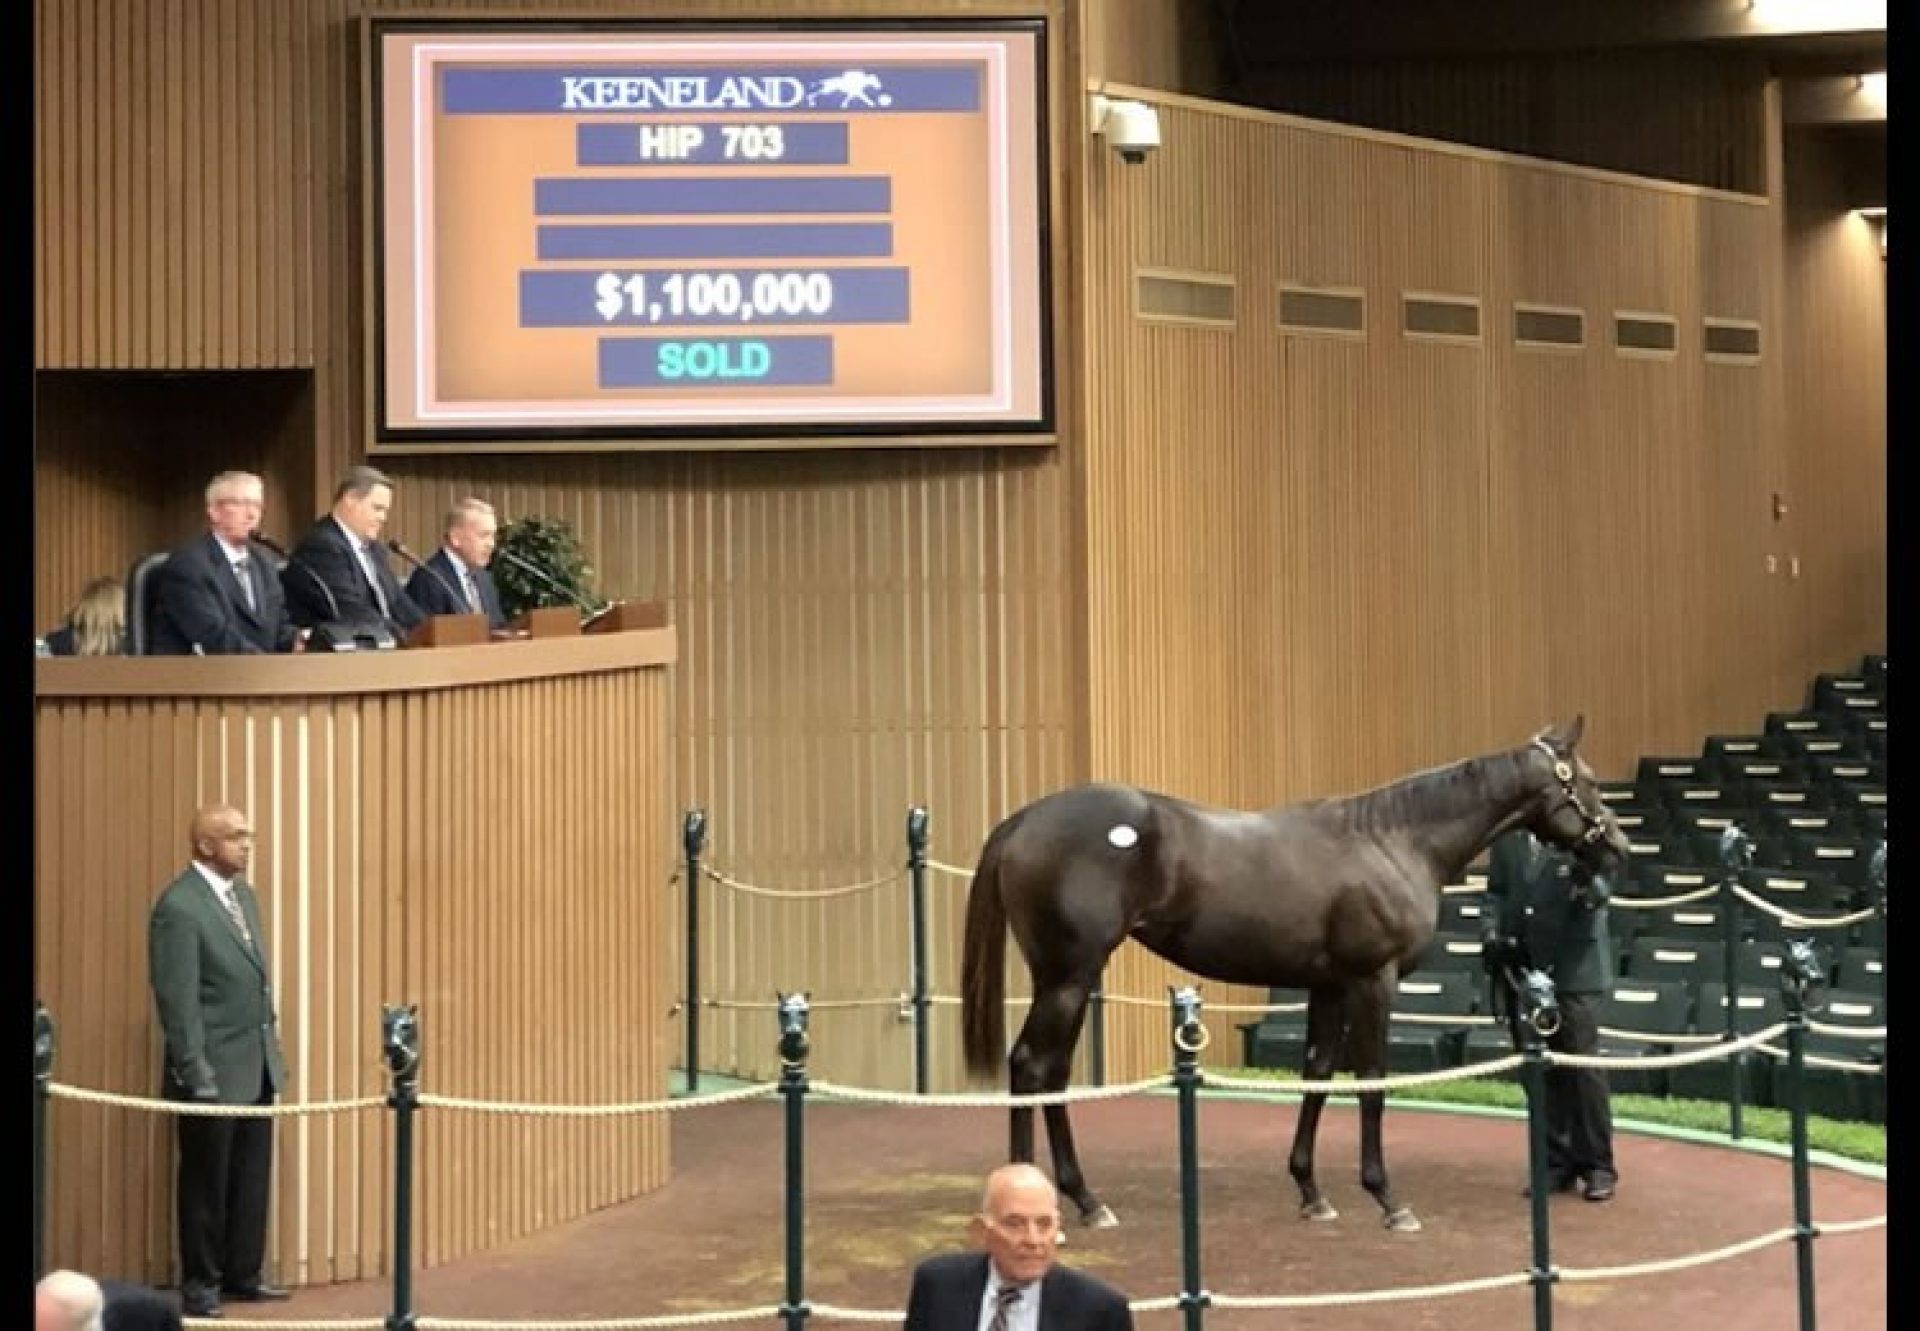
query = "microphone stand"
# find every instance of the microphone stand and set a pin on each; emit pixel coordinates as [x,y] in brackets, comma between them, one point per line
[588,611]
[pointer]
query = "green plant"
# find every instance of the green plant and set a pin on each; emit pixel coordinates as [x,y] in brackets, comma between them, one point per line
[551,546]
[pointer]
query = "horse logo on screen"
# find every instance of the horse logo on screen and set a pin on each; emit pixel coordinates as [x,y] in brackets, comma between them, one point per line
[856,87]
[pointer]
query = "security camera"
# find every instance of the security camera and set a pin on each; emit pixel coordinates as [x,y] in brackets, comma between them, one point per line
[1132,128]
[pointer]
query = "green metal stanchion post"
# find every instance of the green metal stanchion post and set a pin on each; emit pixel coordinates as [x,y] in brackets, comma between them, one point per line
[1189,1038]
[793,1088]
[1537,1016]
[917,905]
[45,1044]
[1736,853]
[400,1044]
[1800,971]
[1877,883]
[693,832]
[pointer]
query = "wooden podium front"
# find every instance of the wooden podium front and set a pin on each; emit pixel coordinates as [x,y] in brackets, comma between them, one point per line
[483,830]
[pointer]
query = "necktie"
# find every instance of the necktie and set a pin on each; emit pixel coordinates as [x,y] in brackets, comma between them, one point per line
[373,576]
[242,569]
[1003,1302]
[473,589]
[234,913]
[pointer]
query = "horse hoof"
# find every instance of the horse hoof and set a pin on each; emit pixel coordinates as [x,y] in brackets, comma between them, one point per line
[1403,1221]
[1318,1209]
[1104,1218]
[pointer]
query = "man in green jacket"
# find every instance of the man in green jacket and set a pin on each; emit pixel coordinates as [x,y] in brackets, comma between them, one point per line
[1554,912]
[207,960]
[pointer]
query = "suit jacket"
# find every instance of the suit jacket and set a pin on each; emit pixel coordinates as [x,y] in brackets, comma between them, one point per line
[947,1291]
[197,600]
[1537,899]
[136,1307]
[435,596]
[324,557]
[213,994]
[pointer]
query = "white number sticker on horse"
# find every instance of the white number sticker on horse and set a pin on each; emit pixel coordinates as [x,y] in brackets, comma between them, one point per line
[1122,836]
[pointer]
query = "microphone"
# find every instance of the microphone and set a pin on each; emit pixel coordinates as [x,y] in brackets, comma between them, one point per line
[333,606]
[553,583]
[418,562]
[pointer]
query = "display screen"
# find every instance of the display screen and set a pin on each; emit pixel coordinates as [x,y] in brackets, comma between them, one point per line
[626,233]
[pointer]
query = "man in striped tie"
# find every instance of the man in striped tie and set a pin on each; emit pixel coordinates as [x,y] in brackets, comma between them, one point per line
[1012,1283]
[207,959]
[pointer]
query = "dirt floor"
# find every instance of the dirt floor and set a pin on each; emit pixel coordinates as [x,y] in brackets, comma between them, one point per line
[887,1186]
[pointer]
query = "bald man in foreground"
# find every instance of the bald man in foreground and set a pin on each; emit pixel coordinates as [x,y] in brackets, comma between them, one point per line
[207,957]
[1012,1282]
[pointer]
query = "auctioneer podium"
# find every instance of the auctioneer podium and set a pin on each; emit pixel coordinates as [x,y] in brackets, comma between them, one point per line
[482,830]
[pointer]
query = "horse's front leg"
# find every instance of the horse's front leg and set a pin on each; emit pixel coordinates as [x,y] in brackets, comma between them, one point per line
[1368,1016]
[1324,1019]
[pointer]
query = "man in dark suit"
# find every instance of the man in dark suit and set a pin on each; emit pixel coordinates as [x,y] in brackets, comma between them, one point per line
[207,958]
[455,581]
[1548,912]
[217,594]
[1013,1284]
[339,571]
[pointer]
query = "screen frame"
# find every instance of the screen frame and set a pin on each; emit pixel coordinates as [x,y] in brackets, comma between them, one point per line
[507,437]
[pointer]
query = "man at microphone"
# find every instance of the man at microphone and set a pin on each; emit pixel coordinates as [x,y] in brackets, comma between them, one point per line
[455,580]
[217,595]
[339,570]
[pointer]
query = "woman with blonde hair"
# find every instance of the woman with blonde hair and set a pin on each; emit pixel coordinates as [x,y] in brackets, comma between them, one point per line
[96,625]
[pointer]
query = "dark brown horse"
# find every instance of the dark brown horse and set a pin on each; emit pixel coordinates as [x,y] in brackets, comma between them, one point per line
[1336,896]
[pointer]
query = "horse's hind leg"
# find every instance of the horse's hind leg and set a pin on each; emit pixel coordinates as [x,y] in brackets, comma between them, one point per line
[1042,1061]
[1324,1018]
[1369,1011]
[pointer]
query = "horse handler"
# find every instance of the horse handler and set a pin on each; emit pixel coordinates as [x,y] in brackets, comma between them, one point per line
[1548,911]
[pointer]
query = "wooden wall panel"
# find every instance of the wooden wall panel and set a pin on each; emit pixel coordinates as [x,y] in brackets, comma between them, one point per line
[122,461]
[172,234]
[368,809]
[1836,364]
[1366,557]
[860,633]
[1169,44]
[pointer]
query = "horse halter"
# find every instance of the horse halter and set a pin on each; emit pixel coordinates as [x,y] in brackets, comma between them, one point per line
[1563,773]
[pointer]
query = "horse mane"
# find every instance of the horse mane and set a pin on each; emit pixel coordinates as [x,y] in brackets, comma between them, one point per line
[1438,793]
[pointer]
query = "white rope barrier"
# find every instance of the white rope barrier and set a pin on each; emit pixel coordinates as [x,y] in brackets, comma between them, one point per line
[1794,920]
[1357,1085]
[1720,1049]
[867,1095]
[723,1318]
[1664,1265]
[753,1092]
[204,1109]
[1356,1298]
[796,894]
[1660,903]
[949,869]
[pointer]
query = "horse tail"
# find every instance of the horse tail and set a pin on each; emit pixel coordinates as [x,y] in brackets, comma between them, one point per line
[983,978]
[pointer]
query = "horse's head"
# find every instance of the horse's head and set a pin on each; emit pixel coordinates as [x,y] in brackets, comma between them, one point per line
[1570,814]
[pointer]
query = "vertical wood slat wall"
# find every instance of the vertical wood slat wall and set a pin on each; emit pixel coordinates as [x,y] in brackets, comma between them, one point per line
[892,536]
[367,808]
[1367,556]
[925,664]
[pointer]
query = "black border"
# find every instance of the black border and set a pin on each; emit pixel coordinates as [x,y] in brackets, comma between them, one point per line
[644,438]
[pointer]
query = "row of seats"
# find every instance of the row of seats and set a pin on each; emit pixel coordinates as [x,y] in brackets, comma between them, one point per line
[1442,1019]
[1692,959]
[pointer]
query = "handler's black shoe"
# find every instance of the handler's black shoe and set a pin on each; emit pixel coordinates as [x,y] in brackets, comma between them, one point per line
[1555,1183]
[199,1302]
[1600,1187]
[258,1292]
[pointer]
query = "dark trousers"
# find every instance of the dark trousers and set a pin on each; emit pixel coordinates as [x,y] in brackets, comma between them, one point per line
[1578,1112]
[221,1198]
